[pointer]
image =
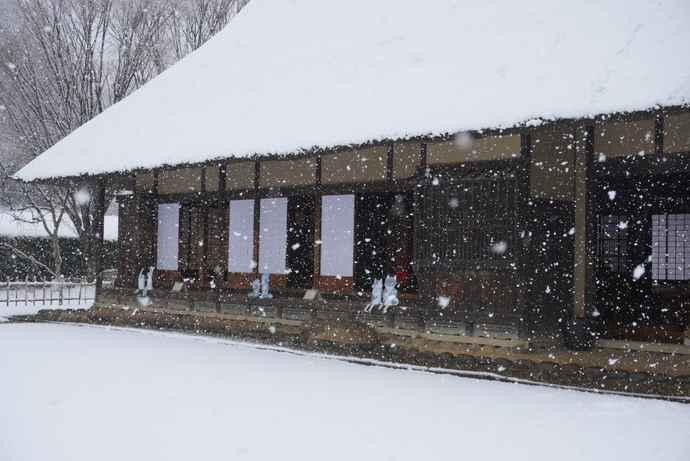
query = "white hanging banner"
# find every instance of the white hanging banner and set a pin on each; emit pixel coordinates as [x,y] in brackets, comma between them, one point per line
[168,236]
[241,238]
[273,235]
[337,235]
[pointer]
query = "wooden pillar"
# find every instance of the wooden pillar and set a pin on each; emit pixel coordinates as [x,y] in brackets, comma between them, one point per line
[98,226]
[658,135]
[523,227]
[126,233]
[257,219]
[318,212]
[317,240]
[223,225]
[585,222]
[145,240]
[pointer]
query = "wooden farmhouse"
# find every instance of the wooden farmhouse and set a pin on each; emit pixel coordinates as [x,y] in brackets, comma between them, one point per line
[517,166]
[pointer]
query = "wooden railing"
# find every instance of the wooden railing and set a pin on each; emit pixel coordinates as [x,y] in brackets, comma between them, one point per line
[28,293]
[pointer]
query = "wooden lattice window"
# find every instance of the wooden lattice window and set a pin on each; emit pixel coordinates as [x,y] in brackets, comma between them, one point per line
[467,233]
[671,246]
[612,243]
[469,220]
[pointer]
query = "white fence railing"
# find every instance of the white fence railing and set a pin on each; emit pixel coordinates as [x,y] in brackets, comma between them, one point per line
[28,293]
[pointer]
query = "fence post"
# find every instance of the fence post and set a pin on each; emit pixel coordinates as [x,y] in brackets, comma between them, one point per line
[8,292]
[26,291]
[44,292]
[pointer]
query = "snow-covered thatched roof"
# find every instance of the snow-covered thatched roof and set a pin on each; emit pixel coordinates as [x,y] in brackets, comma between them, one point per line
[286,76]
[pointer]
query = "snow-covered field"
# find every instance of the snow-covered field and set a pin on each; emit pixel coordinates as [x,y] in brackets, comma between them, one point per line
[72,392]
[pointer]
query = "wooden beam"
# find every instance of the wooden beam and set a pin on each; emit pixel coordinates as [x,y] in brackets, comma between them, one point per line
[591,224]
[99,218]
[317,240]
[585,221]
[319,163]
[257,228]
[658,135]
[223,223]
[522,208]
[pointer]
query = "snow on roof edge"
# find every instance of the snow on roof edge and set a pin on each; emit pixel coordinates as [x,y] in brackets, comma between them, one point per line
[306,151]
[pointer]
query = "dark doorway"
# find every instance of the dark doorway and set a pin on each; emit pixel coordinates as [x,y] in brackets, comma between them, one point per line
[383,239]
[200,243]
[468,252]
[300,242]
[642,275]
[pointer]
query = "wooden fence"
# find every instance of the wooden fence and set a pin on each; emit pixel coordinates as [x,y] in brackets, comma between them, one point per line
[17,293]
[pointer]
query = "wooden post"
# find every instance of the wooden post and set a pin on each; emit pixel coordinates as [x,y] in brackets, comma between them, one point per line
[257,219]
[521,250]
[98,217]
[223,230]
[585,217]
[317,241]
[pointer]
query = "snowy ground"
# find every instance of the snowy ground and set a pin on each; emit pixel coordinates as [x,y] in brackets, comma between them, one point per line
[72,392]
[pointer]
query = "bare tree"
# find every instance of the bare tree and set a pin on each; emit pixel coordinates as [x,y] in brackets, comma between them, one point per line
[195,21]
[62,62]
[39,204]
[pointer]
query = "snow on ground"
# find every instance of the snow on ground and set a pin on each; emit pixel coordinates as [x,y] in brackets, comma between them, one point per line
[72,392]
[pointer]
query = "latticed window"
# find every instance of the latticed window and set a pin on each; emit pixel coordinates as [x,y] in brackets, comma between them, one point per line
[671,247]
[612,243]
[471,220]
[467,236]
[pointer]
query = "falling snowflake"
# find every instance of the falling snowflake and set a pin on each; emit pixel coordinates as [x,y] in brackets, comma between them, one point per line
[638,272]
[463,140]
[82,197]
[499,248]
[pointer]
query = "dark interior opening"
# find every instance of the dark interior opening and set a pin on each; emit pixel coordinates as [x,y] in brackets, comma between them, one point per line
[199,242]
[642,276]
[300,242]
[383,240]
